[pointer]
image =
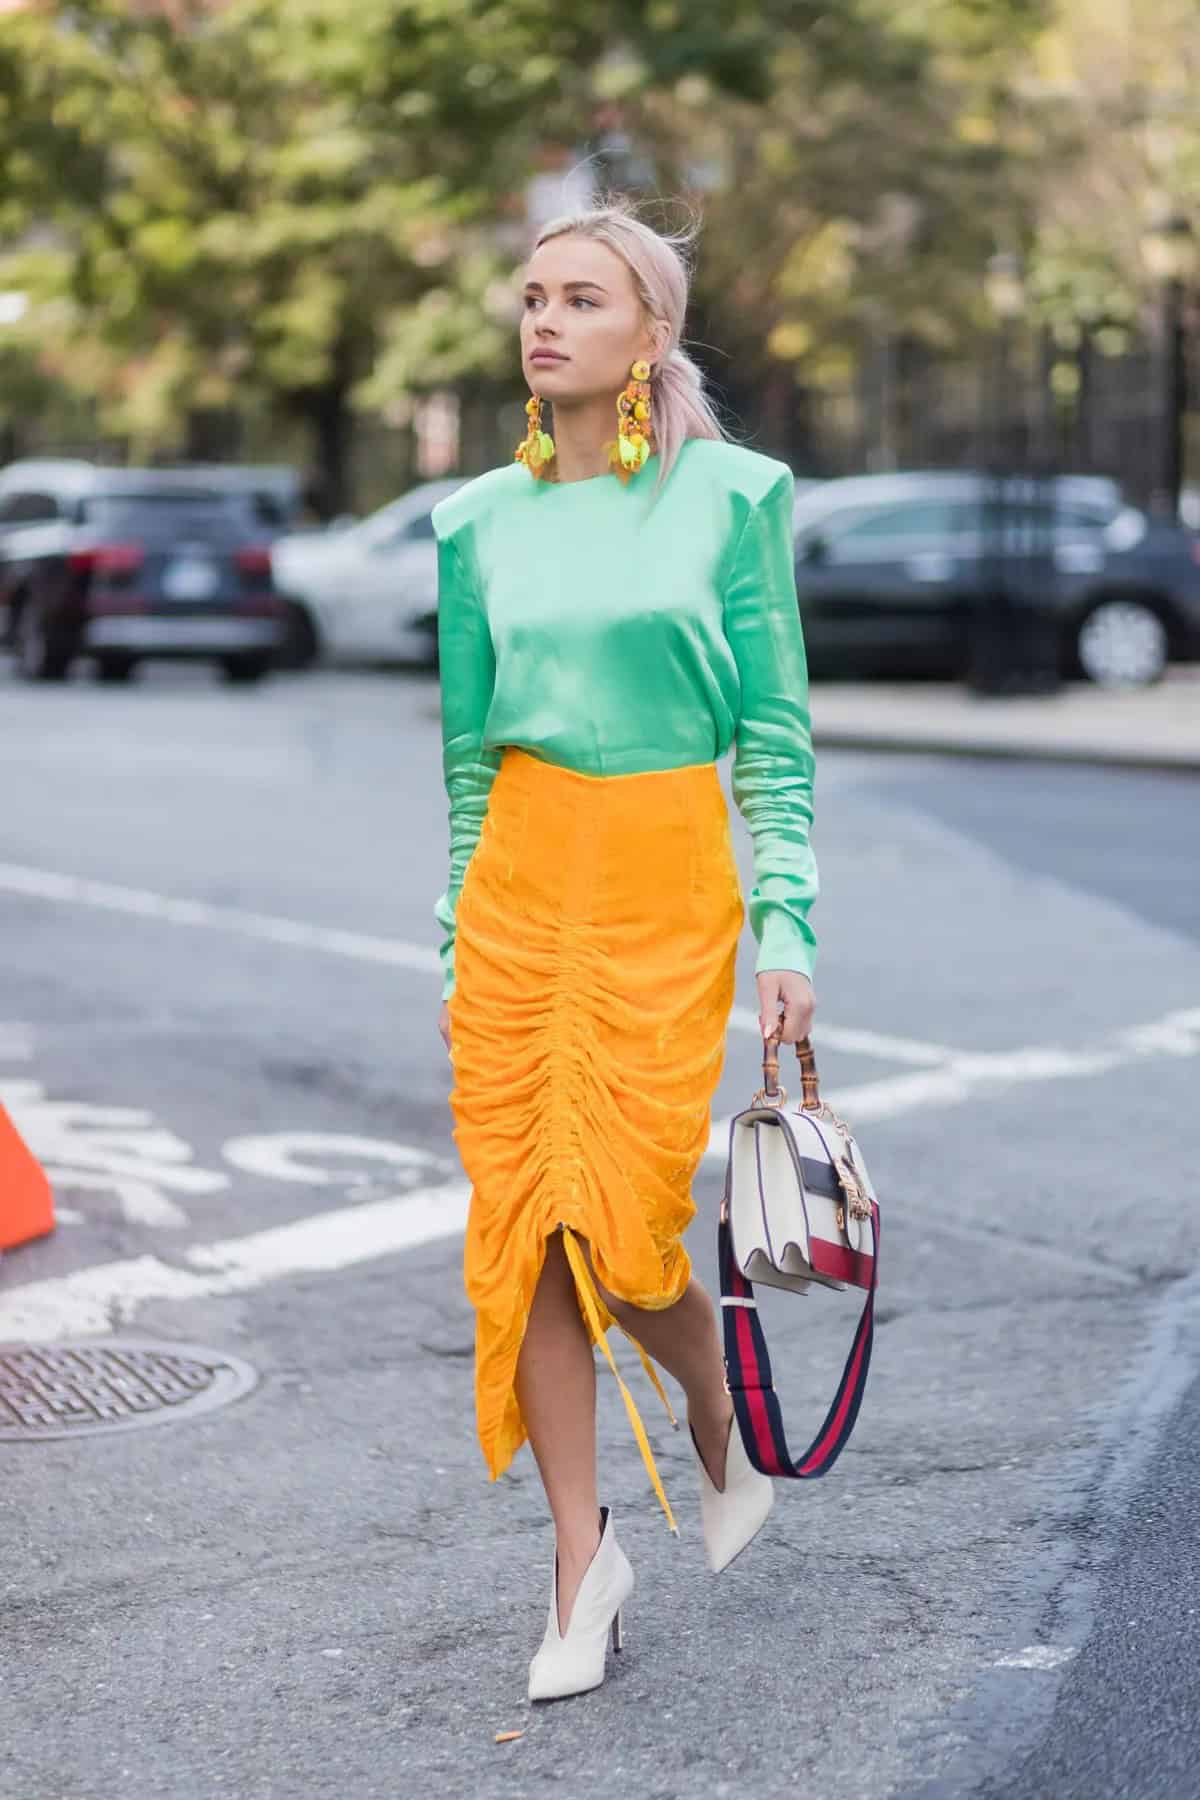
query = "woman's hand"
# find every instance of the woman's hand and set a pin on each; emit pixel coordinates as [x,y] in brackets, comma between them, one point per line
[444,1024]
[786,992]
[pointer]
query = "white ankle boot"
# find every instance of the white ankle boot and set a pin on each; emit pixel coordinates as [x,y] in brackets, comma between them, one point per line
[734,1515]
[575,1663]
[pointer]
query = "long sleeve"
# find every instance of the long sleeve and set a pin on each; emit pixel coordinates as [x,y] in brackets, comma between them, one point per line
[773,758]
[468,672]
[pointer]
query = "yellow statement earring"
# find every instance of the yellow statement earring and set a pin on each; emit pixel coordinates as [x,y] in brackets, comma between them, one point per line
[536,449]
[628,452]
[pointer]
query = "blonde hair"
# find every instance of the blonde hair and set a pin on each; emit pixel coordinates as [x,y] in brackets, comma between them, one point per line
[661,274]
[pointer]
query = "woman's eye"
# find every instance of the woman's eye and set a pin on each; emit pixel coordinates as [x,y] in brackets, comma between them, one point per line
[532,300]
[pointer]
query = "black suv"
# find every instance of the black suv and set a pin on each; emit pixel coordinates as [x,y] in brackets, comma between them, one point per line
[119,565]
[890,570]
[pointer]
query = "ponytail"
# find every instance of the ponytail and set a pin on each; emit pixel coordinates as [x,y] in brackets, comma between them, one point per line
[680,408]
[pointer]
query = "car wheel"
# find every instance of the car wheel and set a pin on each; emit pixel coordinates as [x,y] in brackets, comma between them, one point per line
[243,671]
[1122,643]
[40,653]
[301,646]
[114,669]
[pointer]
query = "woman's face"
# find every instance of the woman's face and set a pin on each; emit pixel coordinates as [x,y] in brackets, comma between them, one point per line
[582,323]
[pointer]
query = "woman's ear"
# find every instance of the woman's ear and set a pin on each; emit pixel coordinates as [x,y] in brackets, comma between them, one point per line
[658,338]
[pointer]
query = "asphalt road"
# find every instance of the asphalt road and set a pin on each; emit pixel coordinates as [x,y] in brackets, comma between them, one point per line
[217,1027]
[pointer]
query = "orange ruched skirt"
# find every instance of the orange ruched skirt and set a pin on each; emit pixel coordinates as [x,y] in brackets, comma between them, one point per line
[597,929]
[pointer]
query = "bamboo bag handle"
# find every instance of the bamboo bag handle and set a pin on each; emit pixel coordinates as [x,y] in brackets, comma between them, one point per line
[810,1091]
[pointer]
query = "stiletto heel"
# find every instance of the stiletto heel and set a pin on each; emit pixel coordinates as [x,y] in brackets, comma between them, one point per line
[732,1516]
[618,1634]
[574,1662]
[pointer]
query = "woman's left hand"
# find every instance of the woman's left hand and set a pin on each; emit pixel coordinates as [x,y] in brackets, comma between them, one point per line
[788,993]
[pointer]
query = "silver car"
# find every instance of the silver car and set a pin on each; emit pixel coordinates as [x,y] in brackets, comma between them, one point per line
[366,592]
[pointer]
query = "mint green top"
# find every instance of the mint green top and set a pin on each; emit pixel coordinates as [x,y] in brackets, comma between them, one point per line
[614,630]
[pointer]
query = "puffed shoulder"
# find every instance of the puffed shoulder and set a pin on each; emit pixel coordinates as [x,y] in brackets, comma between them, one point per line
[476,498]
[734,469]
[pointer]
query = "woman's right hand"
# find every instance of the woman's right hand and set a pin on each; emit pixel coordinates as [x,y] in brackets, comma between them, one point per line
[444,1024]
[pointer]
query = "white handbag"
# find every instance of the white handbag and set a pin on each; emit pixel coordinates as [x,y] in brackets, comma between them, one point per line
[799,1208]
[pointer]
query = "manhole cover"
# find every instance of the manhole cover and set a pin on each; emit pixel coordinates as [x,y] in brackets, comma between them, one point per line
[114,1384]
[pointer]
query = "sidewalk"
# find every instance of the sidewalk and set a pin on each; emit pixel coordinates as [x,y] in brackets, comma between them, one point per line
[1156,727]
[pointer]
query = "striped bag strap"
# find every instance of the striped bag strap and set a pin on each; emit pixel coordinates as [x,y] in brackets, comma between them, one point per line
[748,1374]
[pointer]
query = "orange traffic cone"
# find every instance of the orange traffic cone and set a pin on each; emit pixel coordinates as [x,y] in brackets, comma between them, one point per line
[26,1203]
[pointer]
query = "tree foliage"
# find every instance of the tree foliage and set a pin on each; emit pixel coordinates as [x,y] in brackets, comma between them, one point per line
[308,208]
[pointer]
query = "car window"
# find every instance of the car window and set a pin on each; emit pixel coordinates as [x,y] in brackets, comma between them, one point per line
[411,531]
[867,531]
[267,508]
[910,518]
[1035,520]
[1080,519]
[382,526]
[150,511]
[27,508]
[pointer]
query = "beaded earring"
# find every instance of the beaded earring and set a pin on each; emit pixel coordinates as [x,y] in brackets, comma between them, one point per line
[628,452]
[536,449]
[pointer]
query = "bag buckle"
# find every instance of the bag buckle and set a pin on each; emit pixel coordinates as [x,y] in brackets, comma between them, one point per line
[759,1388]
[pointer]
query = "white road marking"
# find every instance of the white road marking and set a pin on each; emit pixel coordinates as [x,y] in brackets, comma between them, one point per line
[143,903]
[103,1298]
[119,1149]
[861,1043]
[95,1300]
[1038,1656]
[1177,1034]
[140,1201]
[281,1156]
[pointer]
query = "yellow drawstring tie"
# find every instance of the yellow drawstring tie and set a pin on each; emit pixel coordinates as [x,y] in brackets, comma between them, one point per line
[591,1306]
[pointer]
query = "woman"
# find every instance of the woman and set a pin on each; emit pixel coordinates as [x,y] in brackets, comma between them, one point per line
[616,608]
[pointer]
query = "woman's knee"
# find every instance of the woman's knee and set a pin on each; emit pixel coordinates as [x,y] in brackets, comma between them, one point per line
[622,1310]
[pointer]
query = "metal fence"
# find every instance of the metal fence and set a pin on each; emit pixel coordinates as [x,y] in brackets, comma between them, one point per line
[1089,414]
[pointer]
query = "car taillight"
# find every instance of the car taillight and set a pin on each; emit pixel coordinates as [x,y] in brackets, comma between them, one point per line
[254,560]
[108,559]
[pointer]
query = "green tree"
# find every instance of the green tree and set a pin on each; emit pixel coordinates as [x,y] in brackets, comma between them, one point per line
[301,203]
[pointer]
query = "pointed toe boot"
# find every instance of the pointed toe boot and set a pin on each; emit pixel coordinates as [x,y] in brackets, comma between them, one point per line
[573,1661]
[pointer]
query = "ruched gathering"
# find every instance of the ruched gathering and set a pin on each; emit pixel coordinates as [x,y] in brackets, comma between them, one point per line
[597,930]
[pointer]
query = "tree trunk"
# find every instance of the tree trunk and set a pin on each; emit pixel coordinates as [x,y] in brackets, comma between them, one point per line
[329,417]
[327,413]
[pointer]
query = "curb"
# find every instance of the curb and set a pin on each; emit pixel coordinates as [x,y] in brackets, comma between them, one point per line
[1182,762]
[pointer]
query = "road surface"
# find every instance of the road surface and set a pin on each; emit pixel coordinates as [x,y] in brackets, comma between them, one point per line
[218,997]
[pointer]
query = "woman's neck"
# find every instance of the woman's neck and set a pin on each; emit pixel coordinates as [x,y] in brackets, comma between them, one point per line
[580,434]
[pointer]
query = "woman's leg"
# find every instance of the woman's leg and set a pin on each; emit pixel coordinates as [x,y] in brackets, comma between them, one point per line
[684,1339]
[556,1388]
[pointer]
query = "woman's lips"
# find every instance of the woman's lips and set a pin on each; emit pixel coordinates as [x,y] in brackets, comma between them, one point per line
[546,356]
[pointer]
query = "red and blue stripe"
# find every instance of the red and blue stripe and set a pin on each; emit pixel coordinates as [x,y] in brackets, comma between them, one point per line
[752,1389]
